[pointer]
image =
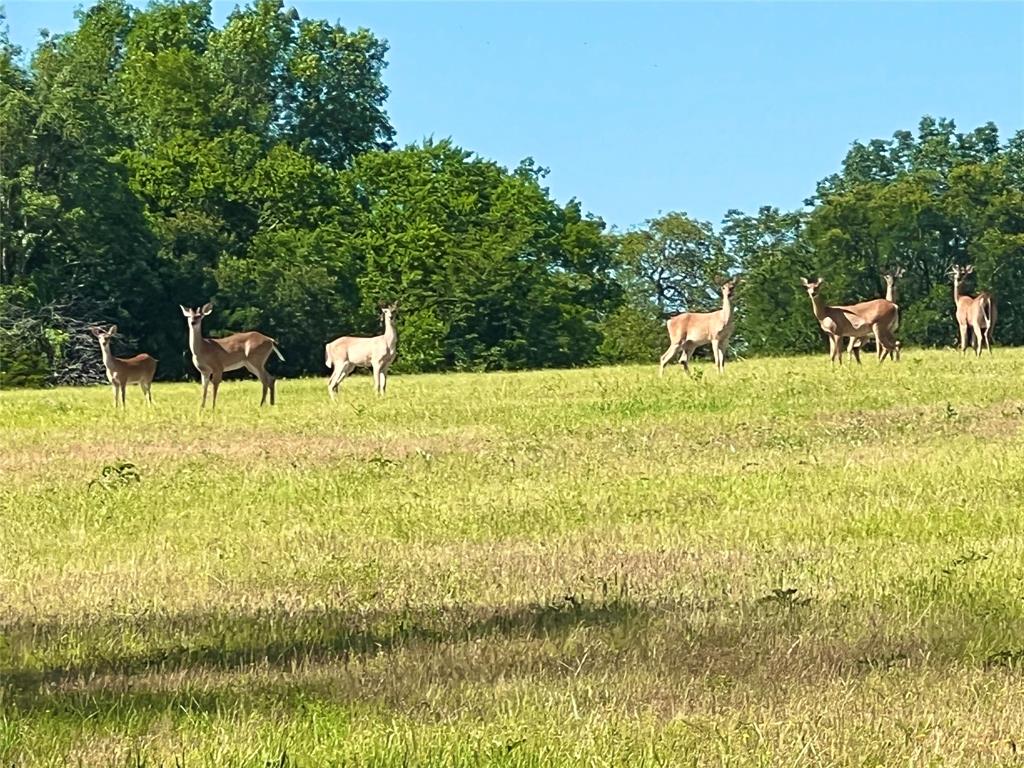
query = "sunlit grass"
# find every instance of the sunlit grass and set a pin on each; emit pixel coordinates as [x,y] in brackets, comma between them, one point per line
[786,565]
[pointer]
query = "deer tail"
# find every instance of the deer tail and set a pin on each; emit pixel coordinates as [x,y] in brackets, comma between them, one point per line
[327,356]
[277,352]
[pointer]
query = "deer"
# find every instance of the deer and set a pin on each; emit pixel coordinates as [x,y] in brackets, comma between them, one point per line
[122,371]
[212,357]
[856,320]
[890,278]
[690,330]
[977,313]
[346,353]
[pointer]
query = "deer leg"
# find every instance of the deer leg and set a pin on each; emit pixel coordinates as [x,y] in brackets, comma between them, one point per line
[835,346]
[883,340]
[977,339]
[122,387]
[206,386]
[963,339]
[148,389]
[341,370]
[113,385]
[667,358]
[988,339]
[265,381]
[215,380]
[853,348]
[684,356]
[376,377]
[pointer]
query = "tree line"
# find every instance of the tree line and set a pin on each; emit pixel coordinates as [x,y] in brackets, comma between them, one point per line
[151,158]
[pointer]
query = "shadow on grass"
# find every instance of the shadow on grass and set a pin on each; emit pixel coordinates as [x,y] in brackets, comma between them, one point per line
[276,640]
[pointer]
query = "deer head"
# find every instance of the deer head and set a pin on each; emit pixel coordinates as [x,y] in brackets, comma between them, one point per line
[195,316]
[104,336]
[893,275]
[812,286]
[959,273]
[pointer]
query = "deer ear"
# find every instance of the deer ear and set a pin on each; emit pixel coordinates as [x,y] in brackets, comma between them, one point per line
[803,280]
[97,332]
[183,310]
[112,331]
[207,308]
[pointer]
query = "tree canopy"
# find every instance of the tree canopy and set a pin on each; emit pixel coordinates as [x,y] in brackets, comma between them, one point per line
[151,158]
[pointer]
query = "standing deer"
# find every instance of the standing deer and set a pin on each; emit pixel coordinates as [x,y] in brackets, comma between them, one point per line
[122,371]
[249,350]
[975,312]
[690,330]
[856,320]
[346,353]
[890,295]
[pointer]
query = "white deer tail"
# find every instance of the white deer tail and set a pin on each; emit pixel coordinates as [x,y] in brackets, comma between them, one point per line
[277,352]
[327,356]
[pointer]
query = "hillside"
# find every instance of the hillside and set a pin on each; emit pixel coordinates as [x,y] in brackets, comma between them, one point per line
[788,563]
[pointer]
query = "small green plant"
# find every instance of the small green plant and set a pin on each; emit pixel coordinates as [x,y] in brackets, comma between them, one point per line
[117,475]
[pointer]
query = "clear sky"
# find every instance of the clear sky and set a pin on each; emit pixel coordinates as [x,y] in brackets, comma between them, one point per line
[643,108]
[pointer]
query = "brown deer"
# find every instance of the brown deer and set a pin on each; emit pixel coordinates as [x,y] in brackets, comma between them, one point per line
[977,313]
[690,330]
[122,371]
[856,320]
[347,353]
[856,343]
[249,350]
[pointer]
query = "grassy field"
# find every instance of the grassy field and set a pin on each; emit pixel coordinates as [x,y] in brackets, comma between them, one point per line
[787,565]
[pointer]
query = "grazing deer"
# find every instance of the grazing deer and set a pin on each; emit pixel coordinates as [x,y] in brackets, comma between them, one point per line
[249,350]
[346,353]
[890,295]
[977,313]
[122,371]
[856,320]
[690,330]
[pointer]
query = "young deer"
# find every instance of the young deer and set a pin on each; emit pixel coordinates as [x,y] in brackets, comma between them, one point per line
[690,330]
[856,320]
[122,371]
[890,295]
[346,353]
[249,350]
[975,312]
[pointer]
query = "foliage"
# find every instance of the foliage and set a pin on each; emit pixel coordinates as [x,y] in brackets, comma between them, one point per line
[151,158]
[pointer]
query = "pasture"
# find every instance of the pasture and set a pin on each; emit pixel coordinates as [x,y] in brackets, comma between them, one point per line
[787,565]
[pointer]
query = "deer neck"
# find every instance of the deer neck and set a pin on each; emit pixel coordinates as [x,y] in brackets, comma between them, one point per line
[818,305]
[726,309]
[890,292]
[195,338]
[390,334]
[108,356]
[956,290]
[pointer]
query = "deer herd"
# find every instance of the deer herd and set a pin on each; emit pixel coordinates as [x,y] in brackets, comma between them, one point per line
[878,318]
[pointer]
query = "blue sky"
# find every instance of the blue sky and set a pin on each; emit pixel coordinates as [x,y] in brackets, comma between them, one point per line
[644,108]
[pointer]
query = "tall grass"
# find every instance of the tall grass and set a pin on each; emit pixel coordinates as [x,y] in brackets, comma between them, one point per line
[787,565]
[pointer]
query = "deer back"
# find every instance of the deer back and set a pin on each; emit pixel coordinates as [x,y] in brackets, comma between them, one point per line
[874,311]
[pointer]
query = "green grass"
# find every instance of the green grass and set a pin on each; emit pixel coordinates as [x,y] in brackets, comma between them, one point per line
[787,565]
